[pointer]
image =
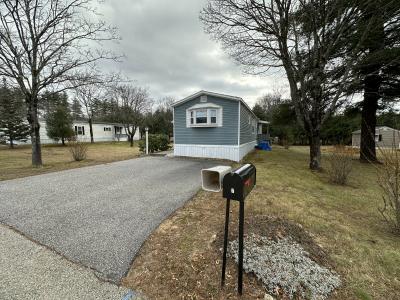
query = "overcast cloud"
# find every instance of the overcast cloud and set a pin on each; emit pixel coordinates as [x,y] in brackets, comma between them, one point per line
[167,51]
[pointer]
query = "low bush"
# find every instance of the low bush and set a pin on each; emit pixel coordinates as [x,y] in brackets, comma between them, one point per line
[157,142]
[389,182]
[340,162]
[77,149]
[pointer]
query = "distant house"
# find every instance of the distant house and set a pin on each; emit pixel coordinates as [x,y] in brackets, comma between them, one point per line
[213,125]
[102,132]
[384,137]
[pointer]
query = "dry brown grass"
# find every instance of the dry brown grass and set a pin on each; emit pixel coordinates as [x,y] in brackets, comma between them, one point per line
[181,261]
[15,163]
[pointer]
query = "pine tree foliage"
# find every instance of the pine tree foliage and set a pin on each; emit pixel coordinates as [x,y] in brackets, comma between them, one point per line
[13,126]
[59,118]
[377,74]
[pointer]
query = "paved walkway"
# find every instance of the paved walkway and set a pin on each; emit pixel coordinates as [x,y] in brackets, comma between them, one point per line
[99,216]
[31,271]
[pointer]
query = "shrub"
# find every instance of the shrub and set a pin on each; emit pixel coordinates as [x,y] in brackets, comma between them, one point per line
[77,149]
[157,142]
[340,162]
[389,182]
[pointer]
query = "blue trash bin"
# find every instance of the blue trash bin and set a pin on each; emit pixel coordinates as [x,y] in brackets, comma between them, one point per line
[264,145]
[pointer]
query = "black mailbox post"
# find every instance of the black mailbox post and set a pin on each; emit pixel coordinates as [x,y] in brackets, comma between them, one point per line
[236,186]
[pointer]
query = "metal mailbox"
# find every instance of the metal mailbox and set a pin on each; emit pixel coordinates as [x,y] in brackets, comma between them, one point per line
[239,183]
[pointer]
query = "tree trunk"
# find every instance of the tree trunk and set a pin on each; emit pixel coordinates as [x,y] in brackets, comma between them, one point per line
[34,133]
[11,143]
[131,140]
[315,151]
[368,122]
[91,130]
[63,141]
[372,83]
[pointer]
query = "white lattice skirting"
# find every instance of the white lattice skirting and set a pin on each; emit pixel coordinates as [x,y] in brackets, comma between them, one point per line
[230,152]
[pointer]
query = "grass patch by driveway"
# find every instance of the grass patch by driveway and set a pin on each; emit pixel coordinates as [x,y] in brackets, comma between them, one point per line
[16,163]
[182,257]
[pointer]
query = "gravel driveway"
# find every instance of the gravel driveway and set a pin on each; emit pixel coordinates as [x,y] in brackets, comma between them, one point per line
[100,216]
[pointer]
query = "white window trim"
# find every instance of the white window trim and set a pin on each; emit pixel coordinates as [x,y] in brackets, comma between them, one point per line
[208,107]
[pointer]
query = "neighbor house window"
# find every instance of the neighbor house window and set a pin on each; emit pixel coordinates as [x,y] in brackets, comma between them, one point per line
[107,128]
[118,130]
[378,137]
[79,130]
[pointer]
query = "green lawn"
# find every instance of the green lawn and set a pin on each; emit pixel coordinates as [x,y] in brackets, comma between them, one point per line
[343,220]
[15,163]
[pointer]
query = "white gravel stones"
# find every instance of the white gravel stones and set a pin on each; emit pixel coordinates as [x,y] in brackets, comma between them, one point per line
[285,265]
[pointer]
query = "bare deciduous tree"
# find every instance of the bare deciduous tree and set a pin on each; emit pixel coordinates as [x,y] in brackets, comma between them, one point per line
[133,102]
[88,95]
[268,103]
[301,36]
[46,43]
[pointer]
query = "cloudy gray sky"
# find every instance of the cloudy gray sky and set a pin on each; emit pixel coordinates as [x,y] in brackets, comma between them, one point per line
[167,51]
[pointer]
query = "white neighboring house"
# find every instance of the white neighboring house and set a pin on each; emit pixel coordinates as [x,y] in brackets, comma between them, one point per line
[385,137]
[102,132]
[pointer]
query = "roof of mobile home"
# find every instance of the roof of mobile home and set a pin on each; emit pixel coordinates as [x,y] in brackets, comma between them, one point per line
[228,97]
[376,128]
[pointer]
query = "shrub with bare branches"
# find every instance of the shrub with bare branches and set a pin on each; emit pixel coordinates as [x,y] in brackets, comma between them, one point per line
[78,149]
[389,182]
[340,162]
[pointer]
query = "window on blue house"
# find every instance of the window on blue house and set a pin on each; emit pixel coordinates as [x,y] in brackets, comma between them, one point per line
[213,116]
[201,116]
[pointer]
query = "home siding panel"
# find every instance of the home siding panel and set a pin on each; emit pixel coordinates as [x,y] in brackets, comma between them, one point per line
[390,138]
[246,134]
[98,132]
[355,139]
[224,135]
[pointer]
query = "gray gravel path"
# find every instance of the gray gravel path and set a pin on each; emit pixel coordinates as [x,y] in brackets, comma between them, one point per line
[100,216]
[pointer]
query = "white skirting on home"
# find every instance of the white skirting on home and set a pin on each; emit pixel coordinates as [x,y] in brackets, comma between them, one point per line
[230,152]
[246,148]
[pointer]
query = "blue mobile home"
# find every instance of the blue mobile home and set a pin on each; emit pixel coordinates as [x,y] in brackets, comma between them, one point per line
[213,125]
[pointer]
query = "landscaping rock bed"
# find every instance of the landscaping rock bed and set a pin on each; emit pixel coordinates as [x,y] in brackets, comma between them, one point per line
[283,265]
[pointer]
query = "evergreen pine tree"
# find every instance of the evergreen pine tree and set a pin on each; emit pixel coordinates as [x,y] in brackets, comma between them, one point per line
[378,71]
[13,127]
[59,119]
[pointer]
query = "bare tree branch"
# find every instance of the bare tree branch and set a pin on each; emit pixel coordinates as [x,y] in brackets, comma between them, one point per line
[46,44]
